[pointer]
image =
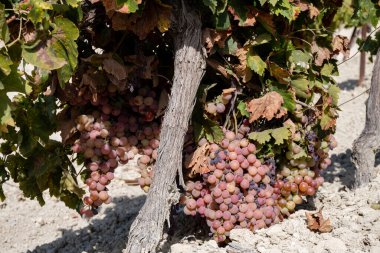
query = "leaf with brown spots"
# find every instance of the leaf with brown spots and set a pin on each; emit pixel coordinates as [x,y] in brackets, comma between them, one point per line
[340,44]
[267,107]
[199,160]
[316,222]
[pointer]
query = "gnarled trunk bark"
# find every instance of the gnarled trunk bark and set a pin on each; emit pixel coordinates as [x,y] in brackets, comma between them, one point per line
[189,68]
[368,143]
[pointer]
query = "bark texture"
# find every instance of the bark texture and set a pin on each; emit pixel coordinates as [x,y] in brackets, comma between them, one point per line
[368,143]
[189,68]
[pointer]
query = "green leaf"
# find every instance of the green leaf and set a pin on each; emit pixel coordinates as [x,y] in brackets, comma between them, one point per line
[44,55]
[222,21]
[4,32]
[300,59]
[70,184]
[261,137]
[242,107]
[5,64]
[73,3]
[301,154]
[5,110]
[289,99]
[216,6]
[13,82]
[280,134]
[133,5]
[213,131]
[301,86]
[329,69]
[39,10]
[261,39]
[334,93]
[262,2]
[255,63]
[230,46]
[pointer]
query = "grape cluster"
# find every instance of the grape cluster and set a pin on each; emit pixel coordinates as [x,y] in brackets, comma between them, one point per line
[239,190]
[242,191]
[110,136]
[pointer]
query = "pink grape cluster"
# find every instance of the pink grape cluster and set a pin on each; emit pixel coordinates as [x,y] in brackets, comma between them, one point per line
[238,191]
[110,137]
[242,191]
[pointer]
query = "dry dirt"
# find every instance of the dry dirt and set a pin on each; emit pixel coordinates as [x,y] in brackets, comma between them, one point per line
[27,227]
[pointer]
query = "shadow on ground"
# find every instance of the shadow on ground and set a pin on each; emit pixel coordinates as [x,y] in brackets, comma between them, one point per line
[342,169]
[102,235]
[349,84]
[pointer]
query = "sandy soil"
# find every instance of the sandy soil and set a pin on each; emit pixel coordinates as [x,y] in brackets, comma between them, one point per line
[27,227]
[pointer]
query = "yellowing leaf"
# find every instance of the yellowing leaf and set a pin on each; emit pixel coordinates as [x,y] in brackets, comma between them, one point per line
[280,134]
[261,137]
[267,107]
[334,93]
[256,63]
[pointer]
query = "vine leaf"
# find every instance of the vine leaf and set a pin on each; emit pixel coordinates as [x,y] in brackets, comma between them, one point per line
[199,160]
[216,6]
[242,107]
[256,63]
[245,16]
[340,44]
[321,54]
[334,93]
[280,134]
[59,51]
[261,137]
[267,107]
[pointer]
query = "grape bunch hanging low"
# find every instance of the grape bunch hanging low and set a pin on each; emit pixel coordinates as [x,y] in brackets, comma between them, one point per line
[115,124]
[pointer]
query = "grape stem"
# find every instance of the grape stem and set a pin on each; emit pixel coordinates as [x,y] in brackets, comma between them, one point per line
[305,105]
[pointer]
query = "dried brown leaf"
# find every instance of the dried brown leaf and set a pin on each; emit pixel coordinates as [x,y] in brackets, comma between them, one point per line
[199,160]
[321,54]
[242,69]
[313,11]
[153,15]
[250,20]
[210,37]
[279,73]
[113,67]
[316,222]
[66,127]
[340,44]
[267,107]
[228,91]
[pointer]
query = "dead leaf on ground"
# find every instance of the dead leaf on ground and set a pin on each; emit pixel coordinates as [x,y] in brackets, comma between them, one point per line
[316,222]
[199,160]
[321,54]
[340,45]
[267,107]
